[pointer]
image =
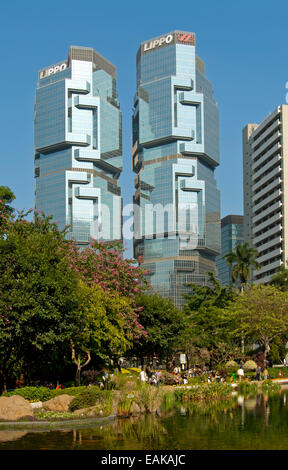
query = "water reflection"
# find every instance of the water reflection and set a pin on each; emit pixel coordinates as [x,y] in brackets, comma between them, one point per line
[257,421]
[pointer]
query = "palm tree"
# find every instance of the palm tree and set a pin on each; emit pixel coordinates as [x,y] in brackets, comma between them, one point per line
[242,260]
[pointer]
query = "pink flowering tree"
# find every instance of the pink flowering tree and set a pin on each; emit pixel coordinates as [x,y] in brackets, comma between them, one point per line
[102,264]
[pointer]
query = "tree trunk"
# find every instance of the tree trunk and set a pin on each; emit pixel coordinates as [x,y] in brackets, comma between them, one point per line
[78,376]
[77,361]
[267,349]
[242,344]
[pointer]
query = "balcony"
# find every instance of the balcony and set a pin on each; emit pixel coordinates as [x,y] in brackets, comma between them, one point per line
[86,102]
[87,193]
[263,168]
[267,211]
[87,155]
[78,86]
[265,145]
[269,233]
[273,185]
[78,139]
[270,221]
[274,173]
[271,254]
[264,134]
[269,199]
[266,157]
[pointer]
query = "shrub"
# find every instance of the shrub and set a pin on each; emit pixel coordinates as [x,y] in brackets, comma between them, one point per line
[168,379]
[274,372]
[90,398]
[73,391]
[231,364]
[250,365]
[33,393]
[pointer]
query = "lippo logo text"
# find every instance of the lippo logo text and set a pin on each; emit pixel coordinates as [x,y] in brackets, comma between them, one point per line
[179,37]
[52,70]
[158,42]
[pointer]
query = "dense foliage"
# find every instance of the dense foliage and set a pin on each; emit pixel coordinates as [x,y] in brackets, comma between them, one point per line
[164,324]
[59,303]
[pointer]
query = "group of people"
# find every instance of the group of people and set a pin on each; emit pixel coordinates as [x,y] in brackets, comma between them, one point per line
[258,372]
[150,376]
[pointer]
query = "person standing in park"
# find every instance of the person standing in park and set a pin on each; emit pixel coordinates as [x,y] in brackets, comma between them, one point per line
[258,373]
[149,372]
[143,376]
[240,373]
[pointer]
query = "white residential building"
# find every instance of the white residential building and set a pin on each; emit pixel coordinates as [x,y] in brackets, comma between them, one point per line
[265,169]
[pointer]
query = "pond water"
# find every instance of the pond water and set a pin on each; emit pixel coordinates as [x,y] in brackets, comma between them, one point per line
[246,422]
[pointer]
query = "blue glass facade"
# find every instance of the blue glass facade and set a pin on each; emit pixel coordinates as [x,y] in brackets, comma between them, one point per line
[232,234]
[78,146]
[175,152]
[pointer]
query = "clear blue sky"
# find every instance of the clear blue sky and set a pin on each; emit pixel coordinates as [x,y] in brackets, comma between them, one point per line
[244,45]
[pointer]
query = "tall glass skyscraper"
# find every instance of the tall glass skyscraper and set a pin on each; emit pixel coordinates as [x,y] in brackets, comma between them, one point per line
[78,146]
[232,234]
[175,152]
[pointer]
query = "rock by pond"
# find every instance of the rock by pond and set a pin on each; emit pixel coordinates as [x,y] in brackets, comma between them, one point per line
[15,408]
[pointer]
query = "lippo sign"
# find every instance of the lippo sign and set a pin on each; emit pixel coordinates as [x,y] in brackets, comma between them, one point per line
[171,38]
[53,69]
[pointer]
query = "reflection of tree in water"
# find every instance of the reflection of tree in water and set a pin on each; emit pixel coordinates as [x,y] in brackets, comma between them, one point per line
[259,423]
[143,432]
[246,422]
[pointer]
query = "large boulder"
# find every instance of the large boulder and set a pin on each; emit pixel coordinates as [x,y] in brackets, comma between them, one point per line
[15,408]
[60,403]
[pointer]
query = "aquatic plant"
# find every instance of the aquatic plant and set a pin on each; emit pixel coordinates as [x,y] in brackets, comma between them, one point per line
[247,387]
[43,415]
[204,392]
[148,397]
[125,403]
[269,386]
[124,382]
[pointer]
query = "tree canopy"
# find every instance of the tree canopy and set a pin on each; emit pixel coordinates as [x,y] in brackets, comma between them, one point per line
[261,314]
[242,260]
[164,324]
[56,299]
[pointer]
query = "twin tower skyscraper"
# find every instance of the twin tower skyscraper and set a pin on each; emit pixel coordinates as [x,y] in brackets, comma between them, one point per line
[175,150]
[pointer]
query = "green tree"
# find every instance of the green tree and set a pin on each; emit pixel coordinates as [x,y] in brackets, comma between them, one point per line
[98,326]
[164,324]
[261,314]
[37,294]
[6,211]
[242,260]
[280,279]
[208,325]
[6,197]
